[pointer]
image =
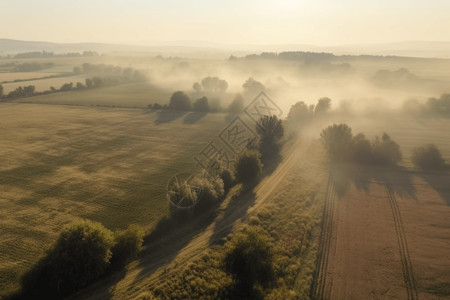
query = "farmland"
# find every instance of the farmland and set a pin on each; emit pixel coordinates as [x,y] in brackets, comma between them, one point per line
[138,95]
[386,230]
[63,163]
[102,154]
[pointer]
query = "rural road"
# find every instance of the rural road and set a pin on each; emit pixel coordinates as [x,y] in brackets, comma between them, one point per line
[150,268]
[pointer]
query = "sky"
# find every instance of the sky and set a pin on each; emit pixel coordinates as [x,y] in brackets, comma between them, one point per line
[263,22]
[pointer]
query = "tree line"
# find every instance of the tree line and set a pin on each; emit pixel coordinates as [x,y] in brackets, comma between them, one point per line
[28,66]
[433,107]
[119,76]
[47,54]
[342,146]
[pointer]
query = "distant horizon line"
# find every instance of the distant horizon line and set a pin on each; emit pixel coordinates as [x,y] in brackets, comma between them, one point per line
[181,42]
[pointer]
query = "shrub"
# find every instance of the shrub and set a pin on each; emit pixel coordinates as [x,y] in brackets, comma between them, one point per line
[249,260]
[300,112]
[211,189]
[337,140]
[80,256]
[182,194]
[228,179]
[253,86]
[201,105]
[128,244]
[157,106]
[361,150]
[386,151]
[248,167]
[213,84]
[180,101]
[323,105]
[237,106]
[270,129]
[428,157]
[440,106]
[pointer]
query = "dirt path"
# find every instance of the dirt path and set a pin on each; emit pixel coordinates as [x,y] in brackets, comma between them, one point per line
[403,247]
[152,267]
[322,288]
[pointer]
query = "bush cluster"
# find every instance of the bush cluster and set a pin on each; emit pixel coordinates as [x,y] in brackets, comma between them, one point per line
[302,113]
[428,157]
[341,145]
[83,253]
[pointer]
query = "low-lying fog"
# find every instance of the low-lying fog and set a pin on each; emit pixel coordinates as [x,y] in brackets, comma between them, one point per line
[360,82]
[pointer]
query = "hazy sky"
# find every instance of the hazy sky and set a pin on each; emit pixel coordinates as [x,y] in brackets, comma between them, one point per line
[319,22]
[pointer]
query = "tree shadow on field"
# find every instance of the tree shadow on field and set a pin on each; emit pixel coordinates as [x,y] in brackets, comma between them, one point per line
[194,117]
[361,176]
[170,236]
[161,246]
[104,286]
[167,116]
[439,180]
[270,164]
[236,209]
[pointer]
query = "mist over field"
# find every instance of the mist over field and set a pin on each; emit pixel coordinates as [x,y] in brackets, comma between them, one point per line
[239,150]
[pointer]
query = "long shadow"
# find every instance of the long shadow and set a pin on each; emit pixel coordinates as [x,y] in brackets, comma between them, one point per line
[194,117]
[105,286]
[167,116]
[270,164]
[347,174]
[161,246]
[439,180]
[236,209]
[171,235]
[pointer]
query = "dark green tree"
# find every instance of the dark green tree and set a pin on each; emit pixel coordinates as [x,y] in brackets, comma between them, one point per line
[201,105]
[127,244]
[299,112]
[80,256]
[253,86]
[237,106]
[248,167]
[180,101]
[89,83]
[197,87]
[66,87]
[214,84]
[428,157]
[386,151]
[270,130]
[77,70]
[323,106]
[337,140]
[249,260]
[361,150]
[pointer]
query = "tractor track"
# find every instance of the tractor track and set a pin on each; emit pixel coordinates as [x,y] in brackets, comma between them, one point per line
[408,273]
[321,288]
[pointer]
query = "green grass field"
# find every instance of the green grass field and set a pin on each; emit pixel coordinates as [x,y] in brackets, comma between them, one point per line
[11,76]
[44,84]
[125,95]
[63,163]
